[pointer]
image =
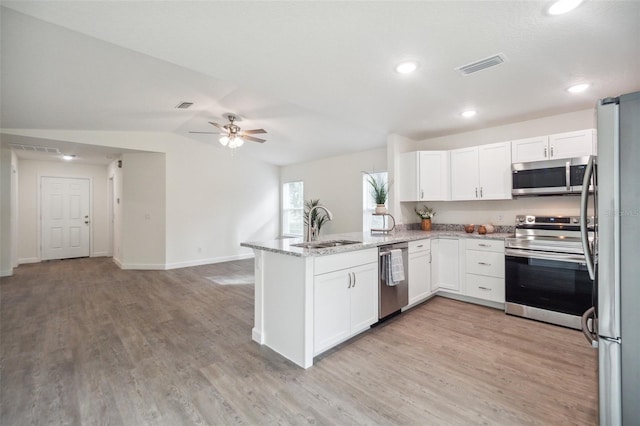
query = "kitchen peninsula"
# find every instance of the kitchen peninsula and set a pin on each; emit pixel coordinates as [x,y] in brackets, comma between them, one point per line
[308,300]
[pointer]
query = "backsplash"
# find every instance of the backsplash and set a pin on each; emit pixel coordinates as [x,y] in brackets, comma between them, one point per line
[452,227]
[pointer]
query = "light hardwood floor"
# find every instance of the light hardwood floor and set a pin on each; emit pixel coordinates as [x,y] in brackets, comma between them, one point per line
[83,342]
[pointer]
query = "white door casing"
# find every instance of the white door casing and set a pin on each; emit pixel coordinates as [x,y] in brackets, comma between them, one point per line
[65,217]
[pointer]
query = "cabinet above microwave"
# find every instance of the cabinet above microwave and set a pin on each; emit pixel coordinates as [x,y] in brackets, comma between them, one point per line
[581,143]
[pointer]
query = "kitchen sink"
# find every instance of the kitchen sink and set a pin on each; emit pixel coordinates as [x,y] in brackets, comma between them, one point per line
[325,244]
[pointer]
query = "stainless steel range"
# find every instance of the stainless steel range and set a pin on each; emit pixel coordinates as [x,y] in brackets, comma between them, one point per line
[546,275]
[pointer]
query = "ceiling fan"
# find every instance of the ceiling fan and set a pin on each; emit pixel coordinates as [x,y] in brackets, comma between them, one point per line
[232,135]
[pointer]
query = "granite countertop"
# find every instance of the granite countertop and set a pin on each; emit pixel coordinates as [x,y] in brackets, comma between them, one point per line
[367,240]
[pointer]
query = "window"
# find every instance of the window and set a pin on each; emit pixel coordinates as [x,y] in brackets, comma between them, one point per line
[368,203]
[293,209]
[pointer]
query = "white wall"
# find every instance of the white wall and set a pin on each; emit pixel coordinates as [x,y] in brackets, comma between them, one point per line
[500,212]
[6,264]
[214,199]
[28,204]
[337,182]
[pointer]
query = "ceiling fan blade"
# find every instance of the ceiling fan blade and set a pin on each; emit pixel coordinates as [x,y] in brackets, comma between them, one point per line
[254,131]
[219,126]
[208,133]
[251,138]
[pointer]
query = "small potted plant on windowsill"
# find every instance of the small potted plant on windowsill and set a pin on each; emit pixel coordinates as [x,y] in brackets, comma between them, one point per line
[379,192]
[426,214]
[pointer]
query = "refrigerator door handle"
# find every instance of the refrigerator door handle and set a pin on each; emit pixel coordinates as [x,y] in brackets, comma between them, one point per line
[584,235]
[590,332]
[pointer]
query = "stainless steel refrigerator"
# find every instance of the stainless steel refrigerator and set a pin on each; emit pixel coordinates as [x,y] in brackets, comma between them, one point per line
[613,258]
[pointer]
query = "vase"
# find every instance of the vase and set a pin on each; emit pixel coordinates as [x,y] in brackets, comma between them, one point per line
[426,224]
[381,209]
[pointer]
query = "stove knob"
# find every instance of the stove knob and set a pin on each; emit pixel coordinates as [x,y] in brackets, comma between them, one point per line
[530,219]
[588,220]
[576,220]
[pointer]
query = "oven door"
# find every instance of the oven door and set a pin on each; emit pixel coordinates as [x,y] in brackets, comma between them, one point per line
[550,281]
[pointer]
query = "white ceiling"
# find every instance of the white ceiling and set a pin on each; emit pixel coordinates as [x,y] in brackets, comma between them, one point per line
[317,75]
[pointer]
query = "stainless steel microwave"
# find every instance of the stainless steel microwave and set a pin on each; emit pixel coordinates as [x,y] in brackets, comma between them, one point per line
[549,177]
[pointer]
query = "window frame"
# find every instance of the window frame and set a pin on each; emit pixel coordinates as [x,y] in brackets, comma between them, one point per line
[285,223]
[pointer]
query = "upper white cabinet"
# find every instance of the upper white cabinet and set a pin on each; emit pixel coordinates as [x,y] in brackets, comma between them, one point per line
[425,176]
[481,172]
[580,143]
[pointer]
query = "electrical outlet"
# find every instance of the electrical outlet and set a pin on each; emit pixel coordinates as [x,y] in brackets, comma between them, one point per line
[499,217]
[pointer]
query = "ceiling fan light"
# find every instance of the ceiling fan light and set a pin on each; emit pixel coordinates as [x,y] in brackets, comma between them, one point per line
[239,141]
[224,140]
[406,67]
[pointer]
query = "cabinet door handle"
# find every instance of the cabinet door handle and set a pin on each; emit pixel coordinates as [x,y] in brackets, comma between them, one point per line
[551,151]
[484,263]
[349,280]
[484,288]
[421,193]
[476,192]
[430,258]
[481,196]
[545,152]
[354,279]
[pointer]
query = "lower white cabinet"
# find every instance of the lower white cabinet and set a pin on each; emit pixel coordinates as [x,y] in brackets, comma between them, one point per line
[445,264]
[484,277]
[345,302]
[419,270]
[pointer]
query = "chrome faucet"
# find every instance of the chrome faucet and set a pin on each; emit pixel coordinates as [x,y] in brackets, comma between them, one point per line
[313,231]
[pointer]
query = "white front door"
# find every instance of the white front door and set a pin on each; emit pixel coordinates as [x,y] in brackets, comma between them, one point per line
[65,217]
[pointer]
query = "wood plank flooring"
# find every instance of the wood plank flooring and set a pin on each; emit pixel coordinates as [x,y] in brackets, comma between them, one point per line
[84,343]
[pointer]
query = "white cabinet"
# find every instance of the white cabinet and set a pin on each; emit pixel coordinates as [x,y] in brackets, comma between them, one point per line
[345,301]
[484,261]
[424,176]
[481,172]
[580,143]
[445,264]
[419,270]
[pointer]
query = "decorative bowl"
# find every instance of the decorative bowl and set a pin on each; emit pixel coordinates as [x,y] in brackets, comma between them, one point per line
[469,228]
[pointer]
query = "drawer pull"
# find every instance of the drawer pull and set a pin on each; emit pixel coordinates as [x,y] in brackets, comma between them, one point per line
[420,246]
[484,288]
[484,245]
[484,263]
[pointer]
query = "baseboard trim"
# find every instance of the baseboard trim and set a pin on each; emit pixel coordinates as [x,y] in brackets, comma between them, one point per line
[28,260]
[209,261]
[6,272]
[256,335]
[143,266]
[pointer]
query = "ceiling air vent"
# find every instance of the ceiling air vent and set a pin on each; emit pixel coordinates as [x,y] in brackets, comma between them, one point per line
[34,148]
[184,105]
[482,64]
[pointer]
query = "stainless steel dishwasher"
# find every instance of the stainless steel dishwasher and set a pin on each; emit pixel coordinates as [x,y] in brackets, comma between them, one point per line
[392,296]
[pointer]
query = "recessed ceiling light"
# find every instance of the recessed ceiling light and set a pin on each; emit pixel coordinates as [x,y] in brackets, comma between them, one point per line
[469,113]
[563,6]
[578,88]
[68,157]
[407,67]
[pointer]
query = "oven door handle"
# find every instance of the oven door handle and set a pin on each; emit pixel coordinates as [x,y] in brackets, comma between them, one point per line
[543,255]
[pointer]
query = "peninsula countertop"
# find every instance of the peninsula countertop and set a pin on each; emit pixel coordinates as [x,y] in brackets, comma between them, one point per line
[366,240]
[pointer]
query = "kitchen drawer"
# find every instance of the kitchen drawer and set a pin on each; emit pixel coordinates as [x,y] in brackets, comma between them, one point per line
[487,288]
[419,245]
[335,262]
[487,245]
[488,263]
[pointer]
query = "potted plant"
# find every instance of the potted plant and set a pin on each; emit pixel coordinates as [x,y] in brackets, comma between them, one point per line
[318,217]
[426,214]
[379,192]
